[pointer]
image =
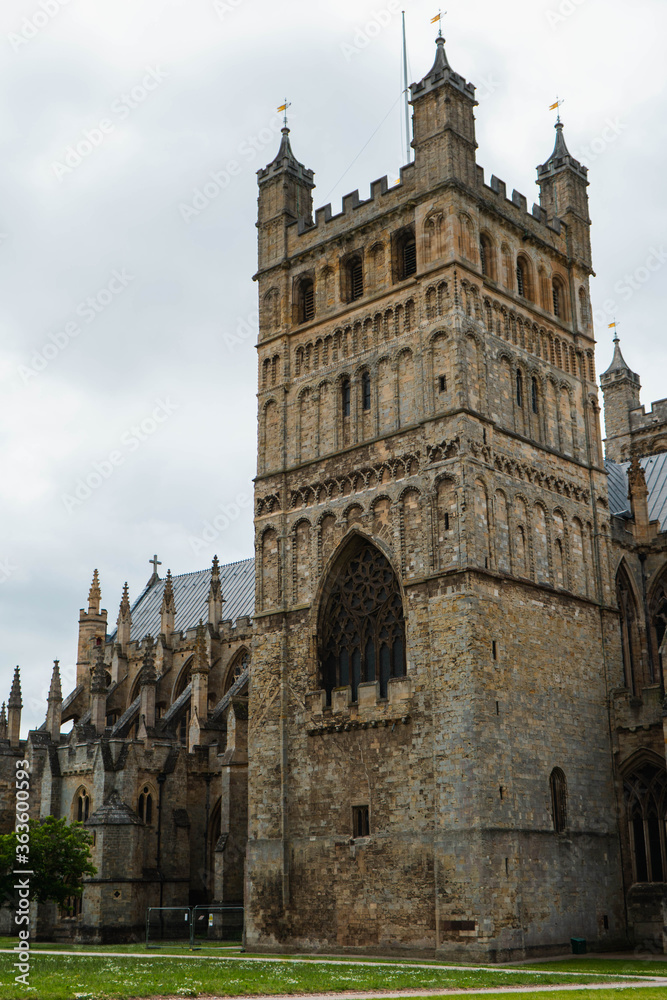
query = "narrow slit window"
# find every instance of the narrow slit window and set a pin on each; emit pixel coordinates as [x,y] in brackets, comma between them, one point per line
[360,821]
[346,397]
[442,383]
[366,390]
[533,394]
[519,388]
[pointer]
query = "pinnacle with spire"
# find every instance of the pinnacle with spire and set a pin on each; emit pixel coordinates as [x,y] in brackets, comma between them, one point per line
[15,700]
[439,74]
[200,657]
[3,722]
[55,691]
[124,609]
[168,608]
[561,158]
[94,595]
[215,598]
[618,364]
[148,673]
[98,681]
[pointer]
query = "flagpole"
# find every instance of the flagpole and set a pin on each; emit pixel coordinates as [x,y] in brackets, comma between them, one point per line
[405,92]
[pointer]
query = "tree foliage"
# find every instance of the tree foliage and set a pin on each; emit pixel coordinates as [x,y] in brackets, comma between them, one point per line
[59,858]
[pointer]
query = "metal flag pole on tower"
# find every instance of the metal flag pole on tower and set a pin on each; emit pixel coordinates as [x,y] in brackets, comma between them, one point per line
[556,107]
[405,93]
[284,107]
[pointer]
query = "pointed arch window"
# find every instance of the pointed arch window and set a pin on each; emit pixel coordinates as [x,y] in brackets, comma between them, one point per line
[645,793]
[559,299]
[558,788]
[519,388]
[82,806]
[658,614]
[629,631]
[145,806]
[362,632]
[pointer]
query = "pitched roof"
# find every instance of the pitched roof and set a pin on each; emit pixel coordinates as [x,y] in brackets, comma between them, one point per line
[655,470]
[191,598]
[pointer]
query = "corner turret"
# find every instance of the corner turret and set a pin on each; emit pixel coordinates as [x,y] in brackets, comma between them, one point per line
[563,182]
[92,631]
[285,196]
[620,388]
[444,124]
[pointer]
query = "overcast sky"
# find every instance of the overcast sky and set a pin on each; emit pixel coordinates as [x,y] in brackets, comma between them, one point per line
[128,310]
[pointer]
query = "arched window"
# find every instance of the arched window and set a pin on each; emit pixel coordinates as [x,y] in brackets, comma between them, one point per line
[583,307]
[658,612]
[345,396]
[519,388]
[487,256]
[354,274]
[239,664]
[366,390]
[362,630]
[82,805]
[558,787]
[559,299]
[145,806]
[405,255]
[305,301]
[645,793]
[522,278]
[629,632]
[534,397]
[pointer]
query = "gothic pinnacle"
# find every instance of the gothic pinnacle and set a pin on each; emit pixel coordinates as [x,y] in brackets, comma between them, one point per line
[168,596]
[200,659]
[94,595]
[125,601]
[15,700]
[3,722]
[55,691]
[98,682]
[148,674]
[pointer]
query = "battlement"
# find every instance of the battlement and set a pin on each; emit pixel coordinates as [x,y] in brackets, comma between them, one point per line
[517,206]
[355,210]
[640,420]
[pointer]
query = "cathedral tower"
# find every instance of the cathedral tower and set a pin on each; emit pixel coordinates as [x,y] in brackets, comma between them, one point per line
[430,765]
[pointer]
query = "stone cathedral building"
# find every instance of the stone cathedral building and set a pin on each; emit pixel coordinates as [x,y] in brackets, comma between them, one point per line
[429,714]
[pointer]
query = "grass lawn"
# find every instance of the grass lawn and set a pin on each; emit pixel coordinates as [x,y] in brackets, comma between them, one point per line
[94,977]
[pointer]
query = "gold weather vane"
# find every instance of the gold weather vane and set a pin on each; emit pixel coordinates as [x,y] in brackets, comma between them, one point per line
[556,107]
[284,107]
[438,17]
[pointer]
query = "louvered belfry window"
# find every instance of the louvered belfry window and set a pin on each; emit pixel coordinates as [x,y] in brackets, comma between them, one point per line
[306,301]
[363,628]
[356,278]
[409,258]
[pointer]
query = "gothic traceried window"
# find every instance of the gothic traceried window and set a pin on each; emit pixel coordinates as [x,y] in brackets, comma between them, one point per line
[645,793]
[629,631]
[363,628]
[658,613]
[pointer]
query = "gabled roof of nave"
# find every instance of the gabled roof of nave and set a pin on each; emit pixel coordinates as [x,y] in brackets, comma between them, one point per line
[191,599]
[655,470]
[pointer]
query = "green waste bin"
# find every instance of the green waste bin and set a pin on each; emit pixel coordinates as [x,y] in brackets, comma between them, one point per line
[578,946]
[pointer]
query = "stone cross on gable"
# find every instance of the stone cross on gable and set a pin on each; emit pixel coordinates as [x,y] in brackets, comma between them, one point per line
[155,562]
